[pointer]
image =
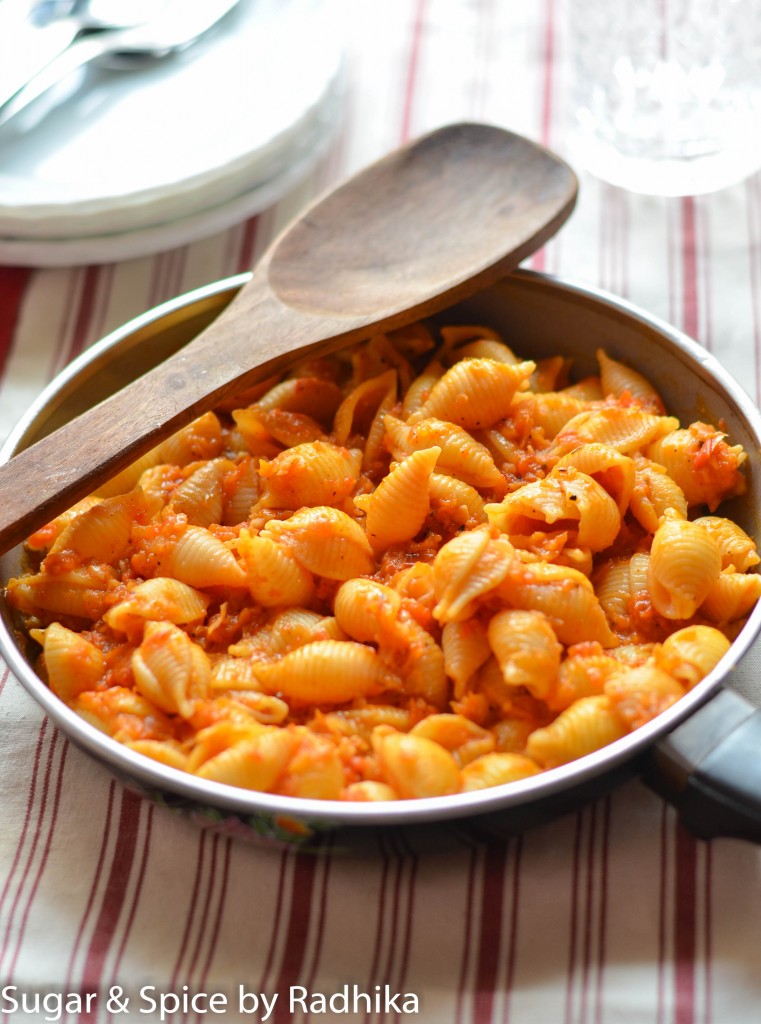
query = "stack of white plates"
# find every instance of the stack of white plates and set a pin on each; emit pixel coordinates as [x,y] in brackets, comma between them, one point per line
[114,164]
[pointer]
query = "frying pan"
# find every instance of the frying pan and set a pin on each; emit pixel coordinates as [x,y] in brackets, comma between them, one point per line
[703,754]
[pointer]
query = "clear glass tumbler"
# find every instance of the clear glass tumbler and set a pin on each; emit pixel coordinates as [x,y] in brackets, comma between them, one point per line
[665,95]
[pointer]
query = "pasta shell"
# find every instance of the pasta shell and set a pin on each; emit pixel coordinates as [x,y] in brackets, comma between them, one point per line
[581,676]
[103,532]
[317,398]
[200,559]
[201,439]
[587,725]
[326,541]
[170,670]
[732,597]
[423,668]
[462,738]
[314,771]
[418,392]
[369,791]
[475,393]
[312,474]
[326,672]
[415,766]
[200,497]
[685,562]
[289,428]
[254,763]
[551,411]
[43,538]
[468,567]
[72,663]
[567,599]
[612,470]
[361,404]
[457,501]
[466,648]
[497,769]
[625,428]
[654,492]
[124,714]
[526,649]
[701,462]
[461,455]
[273,575]
[396,510]
[618,379]
[157,599]
[691,653]
[368,611]
[241,492]
[81,592]
[565,496]
[736,547]
[640,694]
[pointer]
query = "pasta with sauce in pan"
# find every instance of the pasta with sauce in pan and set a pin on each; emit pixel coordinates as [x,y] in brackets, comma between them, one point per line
[418,567]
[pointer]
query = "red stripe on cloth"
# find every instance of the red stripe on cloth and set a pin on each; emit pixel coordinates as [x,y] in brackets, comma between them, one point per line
[662,906]
[296,937]
[113,897]
[25,827]
[94,886]
[48,840]
[81,332]
[466,952]
[707,933]
[404,958]
[322,910]
[490,932]
[213,932]
[380,919]
[412,70]
[574,921]
[141,875]
[247,250]
[205,914]
[589,896]
[602,913]
[4,679]
[685,919]
[190,916]
[13,284]
[512,934]
[276,924]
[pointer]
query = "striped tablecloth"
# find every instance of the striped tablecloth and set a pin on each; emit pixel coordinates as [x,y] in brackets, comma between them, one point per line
[613,914]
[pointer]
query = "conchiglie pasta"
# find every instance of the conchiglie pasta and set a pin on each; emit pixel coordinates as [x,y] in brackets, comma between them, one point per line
[424,565]
[685,563]
[475,393]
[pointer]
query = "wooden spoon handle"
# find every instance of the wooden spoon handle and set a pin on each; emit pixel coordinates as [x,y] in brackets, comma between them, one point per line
[250,343]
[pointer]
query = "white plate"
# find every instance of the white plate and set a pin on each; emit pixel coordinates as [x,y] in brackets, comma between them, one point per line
[111,151]
[122,245]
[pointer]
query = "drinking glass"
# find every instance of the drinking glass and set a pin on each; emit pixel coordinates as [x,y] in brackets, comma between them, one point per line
[665,95]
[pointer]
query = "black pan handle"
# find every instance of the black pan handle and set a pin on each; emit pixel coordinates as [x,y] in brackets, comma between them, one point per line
[709,768]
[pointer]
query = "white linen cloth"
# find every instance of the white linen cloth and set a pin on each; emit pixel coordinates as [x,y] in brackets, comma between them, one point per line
[612,914]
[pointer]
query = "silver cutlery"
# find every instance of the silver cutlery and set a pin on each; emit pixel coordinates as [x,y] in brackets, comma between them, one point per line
[33,35]
[178,25]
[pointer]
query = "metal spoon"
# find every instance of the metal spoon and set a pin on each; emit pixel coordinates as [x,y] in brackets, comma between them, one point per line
[177,25]
[424,227]
[42,32]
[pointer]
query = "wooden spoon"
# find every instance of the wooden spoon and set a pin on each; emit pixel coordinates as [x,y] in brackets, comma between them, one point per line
[424,227]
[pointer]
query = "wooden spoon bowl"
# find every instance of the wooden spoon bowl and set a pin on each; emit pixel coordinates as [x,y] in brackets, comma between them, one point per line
[424,227]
